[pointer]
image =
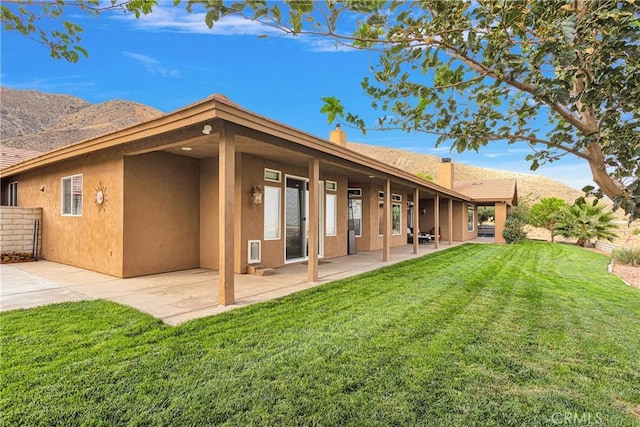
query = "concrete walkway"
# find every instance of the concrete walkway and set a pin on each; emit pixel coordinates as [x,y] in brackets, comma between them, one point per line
[178,296]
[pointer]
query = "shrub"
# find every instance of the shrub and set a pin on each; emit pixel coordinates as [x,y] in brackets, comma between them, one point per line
[514,229]
[627,256]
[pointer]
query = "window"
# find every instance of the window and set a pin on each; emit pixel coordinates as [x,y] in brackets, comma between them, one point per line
[380,194]
[254,251]
[396,218]
[271,213]
[354,192]
[13,193]
[332,214]
[72,195]
[470,217]
[272,175]
[396,197]
[355,216]
[331,185]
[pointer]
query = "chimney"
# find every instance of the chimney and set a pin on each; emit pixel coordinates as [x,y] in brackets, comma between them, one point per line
[338,136]
[445,173]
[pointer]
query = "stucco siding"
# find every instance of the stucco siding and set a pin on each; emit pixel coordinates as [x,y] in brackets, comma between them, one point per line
[92,240]
[161,214]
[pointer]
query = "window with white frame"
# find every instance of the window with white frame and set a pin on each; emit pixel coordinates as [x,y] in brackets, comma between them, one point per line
[396,197]
[355,216]
[72,195]
[272,175]
[271,213]
[354,192]
[471,216]
[332,214]
[331,185]
[13,194]
[396,218]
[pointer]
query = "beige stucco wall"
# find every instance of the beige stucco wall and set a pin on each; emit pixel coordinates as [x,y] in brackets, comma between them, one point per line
[250,174]
[501,211]
[93,240]
[161,213]
[376,240]
[208,207]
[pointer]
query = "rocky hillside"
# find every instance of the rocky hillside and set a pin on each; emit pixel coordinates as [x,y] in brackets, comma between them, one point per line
[530,186]
[42,122]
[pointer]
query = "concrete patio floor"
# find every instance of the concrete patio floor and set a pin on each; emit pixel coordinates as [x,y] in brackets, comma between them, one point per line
[178,296]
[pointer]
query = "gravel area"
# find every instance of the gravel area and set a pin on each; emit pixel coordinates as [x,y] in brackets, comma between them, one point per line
[628,273]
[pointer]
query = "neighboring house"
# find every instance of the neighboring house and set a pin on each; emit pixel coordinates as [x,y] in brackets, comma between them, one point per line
[213,185]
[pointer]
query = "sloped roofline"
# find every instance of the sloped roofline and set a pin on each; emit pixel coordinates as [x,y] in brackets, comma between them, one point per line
[218,107]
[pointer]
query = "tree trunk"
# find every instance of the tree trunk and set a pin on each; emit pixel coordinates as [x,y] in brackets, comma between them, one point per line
[610,187]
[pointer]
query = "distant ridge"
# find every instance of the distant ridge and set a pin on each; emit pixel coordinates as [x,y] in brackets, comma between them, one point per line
[41,122]
[531,187]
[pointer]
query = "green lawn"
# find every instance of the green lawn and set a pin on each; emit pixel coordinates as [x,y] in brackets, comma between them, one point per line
[528,334]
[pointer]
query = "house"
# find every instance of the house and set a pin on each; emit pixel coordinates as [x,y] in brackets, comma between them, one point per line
[216,186]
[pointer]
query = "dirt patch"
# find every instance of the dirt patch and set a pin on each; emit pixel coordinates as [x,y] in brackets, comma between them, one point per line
[628,273]
[13,257]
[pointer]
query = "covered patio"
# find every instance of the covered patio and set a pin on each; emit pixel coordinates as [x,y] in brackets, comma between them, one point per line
[180,296]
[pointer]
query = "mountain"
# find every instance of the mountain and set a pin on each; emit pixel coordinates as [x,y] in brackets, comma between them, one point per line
[530,187]
[41,122]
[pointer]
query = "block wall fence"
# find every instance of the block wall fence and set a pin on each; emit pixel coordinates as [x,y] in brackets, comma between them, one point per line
[16,229]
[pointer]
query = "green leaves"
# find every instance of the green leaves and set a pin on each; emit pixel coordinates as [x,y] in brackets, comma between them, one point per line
[332,108]
[29,18]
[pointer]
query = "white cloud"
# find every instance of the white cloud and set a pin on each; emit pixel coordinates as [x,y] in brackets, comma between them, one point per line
[174,19]
[152,65]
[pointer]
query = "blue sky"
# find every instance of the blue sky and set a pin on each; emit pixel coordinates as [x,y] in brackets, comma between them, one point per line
[170,59]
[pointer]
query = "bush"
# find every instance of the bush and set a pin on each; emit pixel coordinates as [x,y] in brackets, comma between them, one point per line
[627,256]
[514,229]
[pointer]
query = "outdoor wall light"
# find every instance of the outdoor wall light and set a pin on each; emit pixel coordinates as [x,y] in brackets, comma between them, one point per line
[423,211]
[42,188]
[207,129]
[256,194]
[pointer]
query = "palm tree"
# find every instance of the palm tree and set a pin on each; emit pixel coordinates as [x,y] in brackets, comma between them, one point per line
[585,221]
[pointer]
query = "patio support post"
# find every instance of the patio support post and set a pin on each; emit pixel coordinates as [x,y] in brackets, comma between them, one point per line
[237,217]
[436,220]
[416,219]
[226,188]
[314,182]
[450,220]
[386,238]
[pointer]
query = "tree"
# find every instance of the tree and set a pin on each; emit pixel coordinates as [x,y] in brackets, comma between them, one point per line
[584,222]
[26,17]
[486,214]
[561,76]
[473,72]
[516,220]
[545,213]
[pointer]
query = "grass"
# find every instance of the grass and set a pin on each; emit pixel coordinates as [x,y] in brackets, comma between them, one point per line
[527,334]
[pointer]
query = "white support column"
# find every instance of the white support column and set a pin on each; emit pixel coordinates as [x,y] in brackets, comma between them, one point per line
[226,188]
[314,203]
[386,238]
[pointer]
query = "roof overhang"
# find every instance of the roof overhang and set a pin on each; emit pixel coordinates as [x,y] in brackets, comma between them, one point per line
[219,111]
